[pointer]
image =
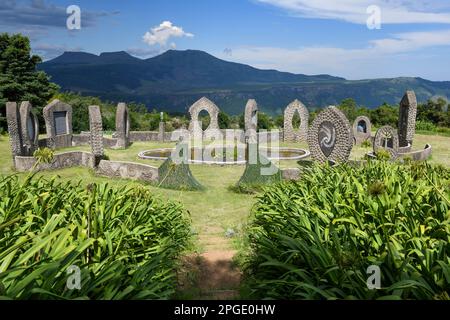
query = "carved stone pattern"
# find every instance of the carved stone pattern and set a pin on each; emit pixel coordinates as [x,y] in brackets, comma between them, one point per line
[96,129]
[407,119]
[343,143]
[15,136]
[380,136]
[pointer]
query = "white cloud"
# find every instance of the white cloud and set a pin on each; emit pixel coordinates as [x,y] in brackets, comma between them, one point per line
[380,58]
[161,34]
[355,11]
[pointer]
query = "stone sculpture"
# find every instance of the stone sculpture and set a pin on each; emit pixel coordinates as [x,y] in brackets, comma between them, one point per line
[330,137]
[122,126]
[407,119]
[291,134]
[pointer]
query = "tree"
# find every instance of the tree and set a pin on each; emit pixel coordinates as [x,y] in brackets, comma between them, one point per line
[19,79]
[349,108]
[224,120]
[384,115]
[264,121]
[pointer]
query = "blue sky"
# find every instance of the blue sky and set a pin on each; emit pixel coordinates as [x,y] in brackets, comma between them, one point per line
[300,36]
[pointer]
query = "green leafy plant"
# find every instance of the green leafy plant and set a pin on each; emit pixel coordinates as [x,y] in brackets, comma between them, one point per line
[315,238]
[125,241]
[383,155]
[366,144]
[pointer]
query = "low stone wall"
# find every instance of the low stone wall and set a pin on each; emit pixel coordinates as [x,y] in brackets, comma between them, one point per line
[143,136]
[60,161]
[109,143]
[62,141]
[57,142]
[290,174]
[128,170]
[420,155]
[404,149]
[80,139]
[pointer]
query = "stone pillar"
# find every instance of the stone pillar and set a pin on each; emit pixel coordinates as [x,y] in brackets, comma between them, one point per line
[122,126]
[161,132]
[407,119]
[96,133]
[251,121]
[14,129]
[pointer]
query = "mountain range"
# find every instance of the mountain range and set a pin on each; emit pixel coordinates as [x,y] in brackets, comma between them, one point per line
[174,80]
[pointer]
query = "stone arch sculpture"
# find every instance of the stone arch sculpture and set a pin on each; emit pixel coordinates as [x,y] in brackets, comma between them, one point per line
[209,106]
[291,134]
[407,119]
[387,139]
[362,128]
[29,128]
[330,137]
[58,123]
[122,126]
[251,119]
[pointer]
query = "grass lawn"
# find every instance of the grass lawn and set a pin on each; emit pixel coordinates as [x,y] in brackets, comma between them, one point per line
[216,209]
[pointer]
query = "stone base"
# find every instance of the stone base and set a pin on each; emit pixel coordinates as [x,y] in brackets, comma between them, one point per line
[127,170]
[60,161]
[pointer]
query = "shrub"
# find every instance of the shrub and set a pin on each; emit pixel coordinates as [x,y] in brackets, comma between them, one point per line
[425,126]
[366,144]
[383,155]
[315,238]
[124,241]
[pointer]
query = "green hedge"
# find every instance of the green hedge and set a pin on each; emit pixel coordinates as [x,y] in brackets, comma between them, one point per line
[315,238]
[125,241]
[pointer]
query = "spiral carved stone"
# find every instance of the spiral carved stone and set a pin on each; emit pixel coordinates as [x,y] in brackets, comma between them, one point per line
[386,138]
[290,134]
[330,136]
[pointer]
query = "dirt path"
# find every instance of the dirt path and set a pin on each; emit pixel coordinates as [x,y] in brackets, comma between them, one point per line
[210,276]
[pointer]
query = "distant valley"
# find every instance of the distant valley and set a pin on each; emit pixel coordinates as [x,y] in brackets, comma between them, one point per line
[174,80]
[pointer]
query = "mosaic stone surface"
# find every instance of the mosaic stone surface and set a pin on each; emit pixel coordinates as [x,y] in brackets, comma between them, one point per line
[330,136]
[290,133]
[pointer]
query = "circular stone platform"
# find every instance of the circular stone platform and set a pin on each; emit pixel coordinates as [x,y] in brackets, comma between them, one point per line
[283,154]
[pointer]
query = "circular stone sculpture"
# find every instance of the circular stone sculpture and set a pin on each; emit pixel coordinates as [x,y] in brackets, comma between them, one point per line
[362,128]
[330,136]
[386,138]
[290,134]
